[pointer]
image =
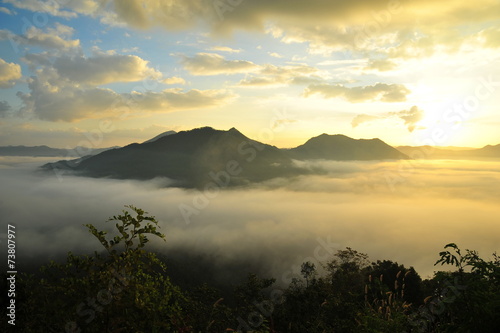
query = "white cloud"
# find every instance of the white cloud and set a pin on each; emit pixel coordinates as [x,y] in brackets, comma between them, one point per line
[225,49]
[363,118]
[57,38]
[134,49]
[50,7]
[491,37]
[381,65]
[380,26]
[171,100]
[71,102]
[410,118]
[9,73]
[379,91]
[215,64]
[6,11]
[66,88]
[174,80]
[105,69]
[271,75]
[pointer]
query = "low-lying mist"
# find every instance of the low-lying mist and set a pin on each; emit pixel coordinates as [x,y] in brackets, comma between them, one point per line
[401,211]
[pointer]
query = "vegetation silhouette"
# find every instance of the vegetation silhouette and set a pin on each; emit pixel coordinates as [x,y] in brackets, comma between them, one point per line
[125,288]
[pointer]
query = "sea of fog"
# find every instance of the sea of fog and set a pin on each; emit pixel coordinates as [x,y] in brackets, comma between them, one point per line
[400,211]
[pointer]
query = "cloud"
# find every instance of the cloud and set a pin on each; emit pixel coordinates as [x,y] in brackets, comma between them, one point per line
[71,103]
[103,69]
[57,38]
[381,65]
[225,49]
[398,29]
[215,64]
[171,100]
[173,15]
[379,26]
[63,9]
[271,75]
[66,103]
[410,118]
[6,11]
[66,88]
[379,91]
[275,55]
[491,37]
[49,7]
[367,25]
[278,123]
[9,74]
[37,59]
[4,108]
[174,80]
[363,118]
[276,225]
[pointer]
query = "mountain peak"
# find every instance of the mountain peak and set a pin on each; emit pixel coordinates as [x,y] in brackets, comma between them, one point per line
[159,136]
[192,158]
[341,147]
[201,156]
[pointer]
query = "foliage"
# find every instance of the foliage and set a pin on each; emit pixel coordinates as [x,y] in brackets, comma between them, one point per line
[127,289]
[468,299]
[307,269]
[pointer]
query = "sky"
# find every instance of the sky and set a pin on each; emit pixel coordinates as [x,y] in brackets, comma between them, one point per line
[106,73]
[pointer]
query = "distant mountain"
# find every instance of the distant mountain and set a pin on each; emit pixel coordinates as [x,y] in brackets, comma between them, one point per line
[430,152]
[343,148]
[488,151]
[191,158]
[45,151]
[204,156]
[159,136]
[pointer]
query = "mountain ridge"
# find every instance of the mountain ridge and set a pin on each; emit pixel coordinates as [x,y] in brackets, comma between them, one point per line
[340,147]
[46,151]
[205,155]
[432,152]
[191,159]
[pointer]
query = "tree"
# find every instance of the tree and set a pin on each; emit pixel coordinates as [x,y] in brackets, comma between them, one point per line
[470,296]
[307,269]
[397,279]
[125,289]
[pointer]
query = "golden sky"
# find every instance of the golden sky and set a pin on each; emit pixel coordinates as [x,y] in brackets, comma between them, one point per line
[106,73]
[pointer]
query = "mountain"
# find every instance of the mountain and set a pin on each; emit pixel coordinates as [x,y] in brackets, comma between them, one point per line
[159,136]
[204,156]
[343,148]
[488,151]
[430,152]
[45,151]
[192,158]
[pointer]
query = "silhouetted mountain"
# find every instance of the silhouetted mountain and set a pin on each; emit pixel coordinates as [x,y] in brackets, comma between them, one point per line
[191,158]
[45,151]
[430,152]
[204,156]
[488,151]
[343,148]
[159,136]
